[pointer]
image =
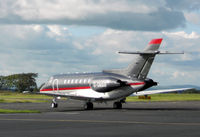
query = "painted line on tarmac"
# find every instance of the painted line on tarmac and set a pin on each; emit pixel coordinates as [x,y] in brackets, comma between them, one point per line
[106,122]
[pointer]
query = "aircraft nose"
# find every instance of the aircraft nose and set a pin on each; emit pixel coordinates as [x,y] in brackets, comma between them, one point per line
[43,87]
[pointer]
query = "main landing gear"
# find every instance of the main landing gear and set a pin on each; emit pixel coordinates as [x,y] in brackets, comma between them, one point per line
[54,104]
[118,104]
[88,106]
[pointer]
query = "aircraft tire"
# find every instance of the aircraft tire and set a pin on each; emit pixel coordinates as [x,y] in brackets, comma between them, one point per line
[88,106]
[54,105]
[117,105]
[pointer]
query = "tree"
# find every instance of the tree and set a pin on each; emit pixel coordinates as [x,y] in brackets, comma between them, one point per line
[20,82]
[1,81]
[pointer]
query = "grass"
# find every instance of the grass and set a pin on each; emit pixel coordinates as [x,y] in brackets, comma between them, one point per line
[18,111]
[14,97]
[21,95]
[167,97]
[10,97]
[13,100]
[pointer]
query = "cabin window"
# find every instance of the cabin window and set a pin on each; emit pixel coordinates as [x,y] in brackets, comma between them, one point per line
[68,81]
[65,81]
[72,81]
[89,80]
[80,81]
[76,81]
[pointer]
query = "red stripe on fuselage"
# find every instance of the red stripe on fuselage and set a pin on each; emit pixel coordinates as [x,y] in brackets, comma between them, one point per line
[68,88]
[78,88]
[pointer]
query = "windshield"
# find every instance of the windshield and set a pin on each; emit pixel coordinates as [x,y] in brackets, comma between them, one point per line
[49,81]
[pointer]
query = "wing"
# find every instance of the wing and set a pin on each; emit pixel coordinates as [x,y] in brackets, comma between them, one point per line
[149,92]
[66,96]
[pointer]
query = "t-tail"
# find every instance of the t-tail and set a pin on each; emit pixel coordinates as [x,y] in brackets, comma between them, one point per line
[140,66]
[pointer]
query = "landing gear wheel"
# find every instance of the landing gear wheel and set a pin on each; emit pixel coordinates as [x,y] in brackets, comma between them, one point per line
[54,105]
[88,106]
[117,105]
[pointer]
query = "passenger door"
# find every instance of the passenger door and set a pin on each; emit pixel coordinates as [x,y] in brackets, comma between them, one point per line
[55,85]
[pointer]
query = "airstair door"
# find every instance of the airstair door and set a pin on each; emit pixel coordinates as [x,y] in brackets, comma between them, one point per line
[55,85]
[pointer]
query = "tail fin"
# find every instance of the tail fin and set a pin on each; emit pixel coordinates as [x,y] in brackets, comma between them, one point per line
[153,45]
[141,65]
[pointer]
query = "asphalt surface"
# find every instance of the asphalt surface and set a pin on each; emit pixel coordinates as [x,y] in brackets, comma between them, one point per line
[139,119]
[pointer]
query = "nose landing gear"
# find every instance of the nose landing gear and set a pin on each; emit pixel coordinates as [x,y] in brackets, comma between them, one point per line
[54,104]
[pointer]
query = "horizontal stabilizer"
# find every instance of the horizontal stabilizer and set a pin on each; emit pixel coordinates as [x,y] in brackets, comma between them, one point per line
[149,52]
[167,52]
[149,92]
[138,52]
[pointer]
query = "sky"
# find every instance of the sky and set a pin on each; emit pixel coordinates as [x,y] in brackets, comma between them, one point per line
[59,36]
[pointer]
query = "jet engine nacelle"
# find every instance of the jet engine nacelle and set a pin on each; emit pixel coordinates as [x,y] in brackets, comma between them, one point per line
[149,83]
[105,84]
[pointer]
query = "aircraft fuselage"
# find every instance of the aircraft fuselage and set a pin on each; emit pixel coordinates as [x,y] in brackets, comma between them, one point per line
[92,86]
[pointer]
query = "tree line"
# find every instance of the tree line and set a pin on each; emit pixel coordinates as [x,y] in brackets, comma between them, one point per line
[19,82]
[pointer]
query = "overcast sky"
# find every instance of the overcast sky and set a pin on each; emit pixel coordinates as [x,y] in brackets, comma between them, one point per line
[60,36]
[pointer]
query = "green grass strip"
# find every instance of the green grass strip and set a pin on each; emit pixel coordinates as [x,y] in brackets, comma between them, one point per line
[14,97]
[21,95]
[13,100]
[18,111]
[167,97]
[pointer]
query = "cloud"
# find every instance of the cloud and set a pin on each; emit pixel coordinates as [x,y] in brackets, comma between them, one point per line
[193,17]
[45,36]
[75,9]
[183,34]
[168,74]
[190,5]
[185,76]
[121,14]
[116,40]
[173,67]
[59,33]
[36,51]
[177,74]
[44,49]
[162,19]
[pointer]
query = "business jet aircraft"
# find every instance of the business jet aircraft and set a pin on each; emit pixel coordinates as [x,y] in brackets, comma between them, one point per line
[108,85]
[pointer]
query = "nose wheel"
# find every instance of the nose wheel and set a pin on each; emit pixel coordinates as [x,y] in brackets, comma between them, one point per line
[54,104]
